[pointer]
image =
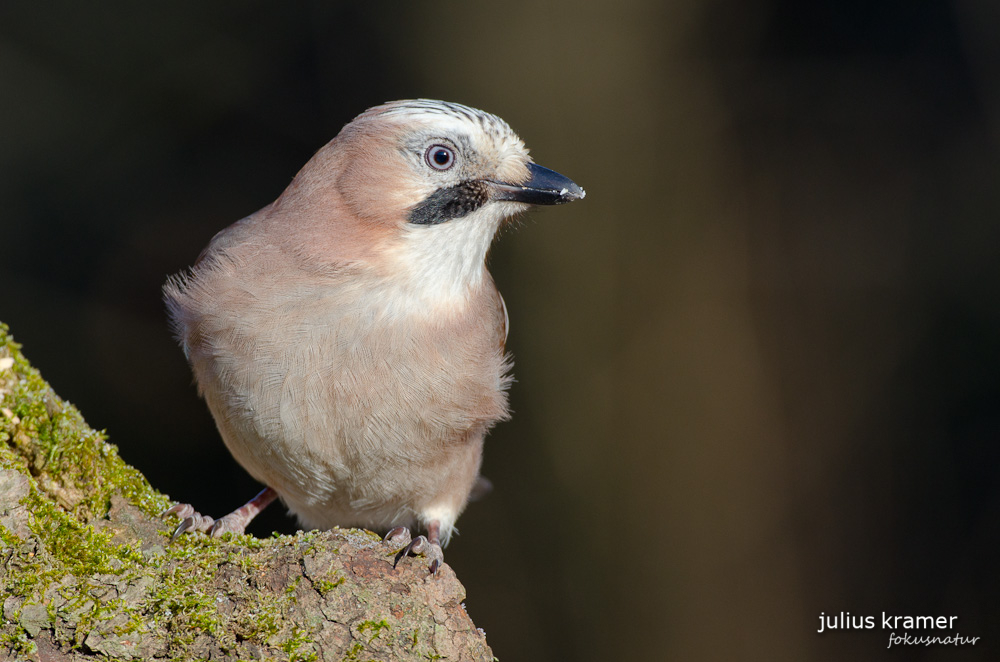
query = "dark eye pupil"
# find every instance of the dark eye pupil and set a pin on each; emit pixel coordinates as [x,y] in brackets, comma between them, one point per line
[439,157]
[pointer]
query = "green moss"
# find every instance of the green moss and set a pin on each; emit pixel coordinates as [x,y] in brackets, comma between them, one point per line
[324,586]
[374,627]
[179,597]
[296,643]
[354,653]
[76,548]
[49,438]
[36,572]
[73,473]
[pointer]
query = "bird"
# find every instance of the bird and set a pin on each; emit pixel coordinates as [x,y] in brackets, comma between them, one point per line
[349,339]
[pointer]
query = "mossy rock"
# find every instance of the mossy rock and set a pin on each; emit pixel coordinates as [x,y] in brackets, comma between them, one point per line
[90,572]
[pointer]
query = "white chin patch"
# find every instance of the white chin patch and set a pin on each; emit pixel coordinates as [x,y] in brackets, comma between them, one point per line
[439,264]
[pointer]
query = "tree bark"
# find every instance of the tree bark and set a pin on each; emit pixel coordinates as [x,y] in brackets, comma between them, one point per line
[89,570]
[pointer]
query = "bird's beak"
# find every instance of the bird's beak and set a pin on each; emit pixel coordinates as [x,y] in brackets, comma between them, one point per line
[544,187]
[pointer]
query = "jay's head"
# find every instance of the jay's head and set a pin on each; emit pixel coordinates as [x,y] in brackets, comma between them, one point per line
[430,162]
[422,186]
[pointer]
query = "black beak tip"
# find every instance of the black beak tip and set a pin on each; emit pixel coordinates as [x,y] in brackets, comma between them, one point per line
[544,187]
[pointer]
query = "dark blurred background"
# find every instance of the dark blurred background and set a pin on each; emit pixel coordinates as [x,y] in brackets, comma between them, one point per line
[758,369]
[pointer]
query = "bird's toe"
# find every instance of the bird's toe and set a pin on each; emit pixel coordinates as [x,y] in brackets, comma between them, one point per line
[398,536]
[421,546]
[231,523]
[191,520]
[182,510]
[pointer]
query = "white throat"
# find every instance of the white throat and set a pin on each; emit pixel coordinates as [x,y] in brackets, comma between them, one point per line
[437,266]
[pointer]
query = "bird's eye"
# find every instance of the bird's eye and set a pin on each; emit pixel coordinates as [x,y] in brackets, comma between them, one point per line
[439,157]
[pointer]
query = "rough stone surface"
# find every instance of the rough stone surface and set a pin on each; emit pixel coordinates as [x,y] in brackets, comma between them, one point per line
[88,571]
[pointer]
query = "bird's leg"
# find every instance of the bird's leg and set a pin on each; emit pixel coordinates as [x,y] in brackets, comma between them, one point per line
[236,521]
[429,546]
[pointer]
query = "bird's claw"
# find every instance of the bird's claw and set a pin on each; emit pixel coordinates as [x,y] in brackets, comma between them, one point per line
[419,546]
[191,520]
[398,536]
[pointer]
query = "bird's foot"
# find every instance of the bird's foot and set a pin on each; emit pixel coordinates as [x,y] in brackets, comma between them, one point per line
[429,547]
[234,522]
[398,536]
[191,519]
